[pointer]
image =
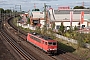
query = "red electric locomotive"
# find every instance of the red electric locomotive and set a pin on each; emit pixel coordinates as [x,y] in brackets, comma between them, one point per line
[43,42]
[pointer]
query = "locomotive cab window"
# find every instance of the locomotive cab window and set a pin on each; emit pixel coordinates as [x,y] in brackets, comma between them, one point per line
[49,43]
[54,43]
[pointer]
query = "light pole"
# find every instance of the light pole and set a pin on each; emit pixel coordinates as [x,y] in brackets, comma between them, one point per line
[0,21]
[46,13]
[12,11]
[1,18]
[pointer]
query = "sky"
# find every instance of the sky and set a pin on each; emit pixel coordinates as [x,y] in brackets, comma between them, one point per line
[29,4]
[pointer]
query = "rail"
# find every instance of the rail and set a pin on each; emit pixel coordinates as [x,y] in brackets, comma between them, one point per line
[16,46]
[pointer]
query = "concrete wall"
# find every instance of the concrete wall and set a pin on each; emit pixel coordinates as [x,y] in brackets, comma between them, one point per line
[42,22]
[73,24]
[69,40]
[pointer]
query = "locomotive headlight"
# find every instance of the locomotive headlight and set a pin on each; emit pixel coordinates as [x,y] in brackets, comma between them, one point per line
[51,49]
[55,49]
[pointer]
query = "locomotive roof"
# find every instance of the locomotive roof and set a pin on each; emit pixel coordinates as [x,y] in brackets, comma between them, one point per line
[41,36]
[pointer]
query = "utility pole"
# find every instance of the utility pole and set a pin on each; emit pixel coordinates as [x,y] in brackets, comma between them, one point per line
[45,12]
[71,19]
[47,22]
[20,9]
[17,20]
[45,17]
[11,11]
[0,21]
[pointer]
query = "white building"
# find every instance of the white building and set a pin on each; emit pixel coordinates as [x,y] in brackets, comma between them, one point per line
[63,15]
[37,17]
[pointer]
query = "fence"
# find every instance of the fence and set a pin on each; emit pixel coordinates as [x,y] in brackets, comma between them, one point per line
[71,40]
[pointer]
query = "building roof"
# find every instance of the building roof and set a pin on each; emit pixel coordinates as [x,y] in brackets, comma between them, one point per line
[75,11]
[61,15]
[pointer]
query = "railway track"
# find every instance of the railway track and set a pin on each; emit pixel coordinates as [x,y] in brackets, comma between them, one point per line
[17,47]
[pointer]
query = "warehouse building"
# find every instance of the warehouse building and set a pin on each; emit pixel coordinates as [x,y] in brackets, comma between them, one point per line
[61,15]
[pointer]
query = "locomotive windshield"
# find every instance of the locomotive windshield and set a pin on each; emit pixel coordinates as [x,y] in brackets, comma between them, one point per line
[54,43]
[51,43]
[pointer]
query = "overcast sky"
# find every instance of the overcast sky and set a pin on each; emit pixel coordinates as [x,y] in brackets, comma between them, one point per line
[29,4]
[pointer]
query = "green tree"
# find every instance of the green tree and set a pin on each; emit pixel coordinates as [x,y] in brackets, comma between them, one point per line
[87,38]
[70,30]
[44,30]
[53,26]
[8,11]
[28,20]
[38,30]
[80,39]
[67,34]
[61,29]
[35,10]
[79,7]
[51,33]
[75,28]
[1,10]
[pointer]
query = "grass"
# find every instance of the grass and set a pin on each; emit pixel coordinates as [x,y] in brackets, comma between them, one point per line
[15,21]
[88,59]
[65,45]
[73,48]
